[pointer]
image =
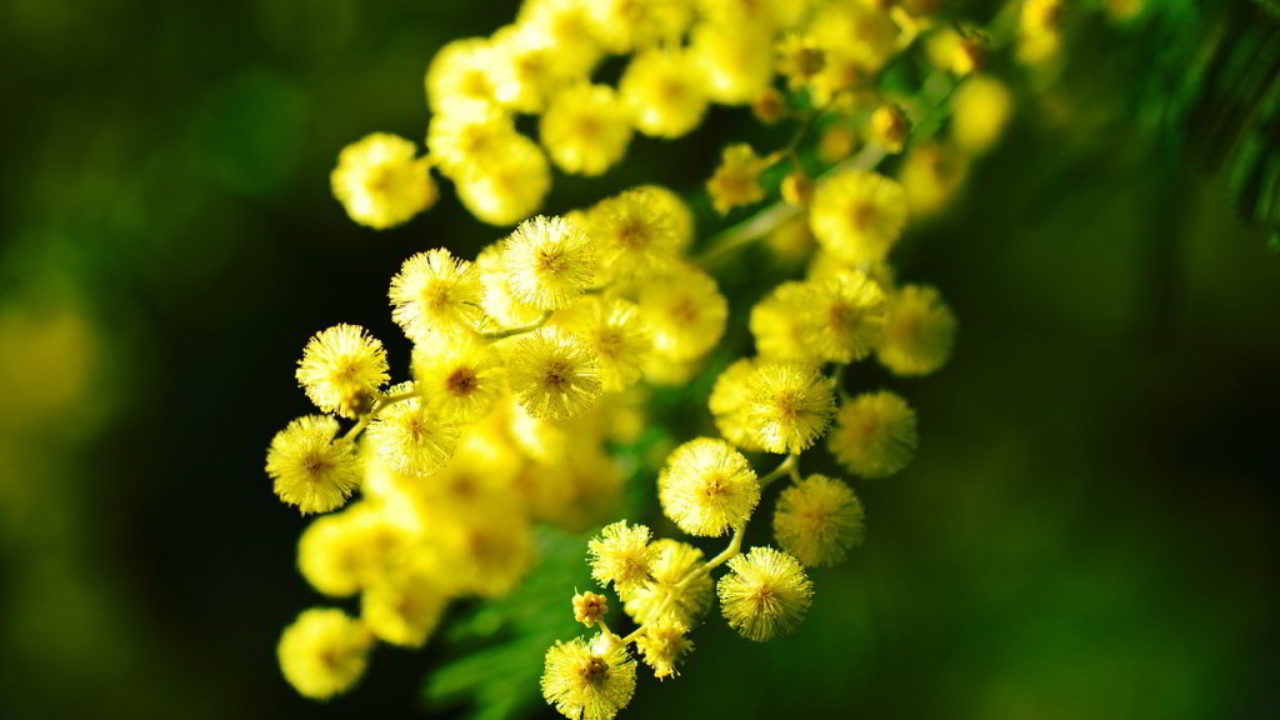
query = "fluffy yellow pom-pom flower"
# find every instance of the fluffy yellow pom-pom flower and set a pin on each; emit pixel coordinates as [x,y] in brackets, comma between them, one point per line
[845,318]
[489,553]
[569,27]
[347,551]
[324,652]
[612,329]
[461,378]
[310,470]
[875,434]
[661,90]
[707,487]
[919,333]
[510,189]
[863,32]
[461,72]
[340,369]
[638,232]
[411,436]
[736,60]
[528,66]
[329,555]
[788,406]
[435,293]
[622,555]
[471,138]
[553,374]
[817,520]
[585,129]
[857,215]
[548,262]
[664,202]
[354,548]
[404,608]
[675,593]
[589,681]
[685,312]
[661,645]
[765,593]
[380,182]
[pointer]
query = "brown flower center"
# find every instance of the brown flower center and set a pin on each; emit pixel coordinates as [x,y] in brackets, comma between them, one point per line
[633,234]
[552,262]
[461,382]
[684,312]
[594,670]
[558,374]
[863,216]
[316,464]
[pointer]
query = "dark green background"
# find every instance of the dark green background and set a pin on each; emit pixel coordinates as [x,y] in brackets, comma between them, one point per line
[1089,529]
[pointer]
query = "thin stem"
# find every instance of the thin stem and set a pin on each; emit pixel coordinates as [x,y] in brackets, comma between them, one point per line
[386,400]
[520,330]
[789,149]
[360,425]
[806,122]
[837,382]
[735,547]
[790,463]
[745,232]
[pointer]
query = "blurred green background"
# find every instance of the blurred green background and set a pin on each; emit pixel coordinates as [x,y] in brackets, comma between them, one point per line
[1089,529]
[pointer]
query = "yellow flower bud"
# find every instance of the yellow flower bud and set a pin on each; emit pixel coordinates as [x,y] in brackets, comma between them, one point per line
[889,128]
[589,608]
[797,188]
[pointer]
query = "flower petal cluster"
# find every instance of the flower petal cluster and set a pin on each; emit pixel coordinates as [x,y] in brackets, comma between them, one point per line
[707,487]
[589,680]
[765,594]
[529,356]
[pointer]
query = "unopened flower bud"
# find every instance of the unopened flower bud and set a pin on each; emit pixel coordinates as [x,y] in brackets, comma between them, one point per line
[589,608]
[889,128]
[797,188]
[769,107]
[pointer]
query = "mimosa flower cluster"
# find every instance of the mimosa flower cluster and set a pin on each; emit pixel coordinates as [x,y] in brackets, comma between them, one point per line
[529,356]
[524,361]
